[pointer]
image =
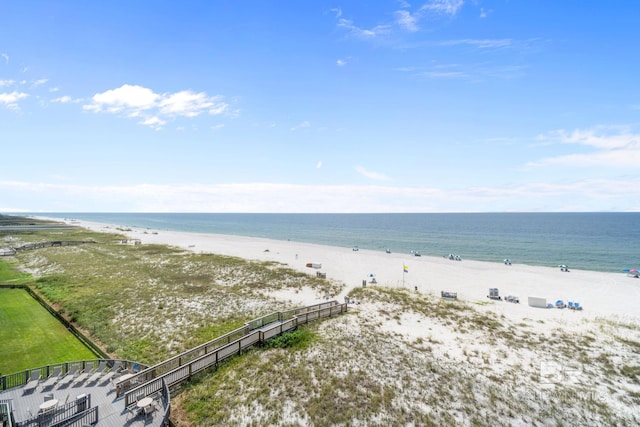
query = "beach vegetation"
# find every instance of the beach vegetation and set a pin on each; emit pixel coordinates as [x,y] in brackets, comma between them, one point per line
[298,339]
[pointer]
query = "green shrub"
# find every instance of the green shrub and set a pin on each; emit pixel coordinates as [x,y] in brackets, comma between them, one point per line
[298,339]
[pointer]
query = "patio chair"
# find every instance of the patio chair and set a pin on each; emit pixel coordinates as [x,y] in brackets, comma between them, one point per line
[132,411]
[69,376]
[112,372]
[98,372]
[148,410]
[33,381]
[53,378]
[83,375]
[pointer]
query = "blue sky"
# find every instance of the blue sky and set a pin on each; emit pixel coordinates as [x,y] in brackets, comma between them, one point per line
[319,106]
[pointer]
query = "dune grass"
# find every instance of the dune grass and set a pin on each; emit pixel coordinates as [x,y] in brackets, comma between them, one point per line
[31,336]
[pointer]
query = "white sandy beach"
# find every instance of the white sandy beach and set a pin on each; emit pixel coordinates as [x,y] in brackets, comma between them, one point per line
[533,347]
[611,295]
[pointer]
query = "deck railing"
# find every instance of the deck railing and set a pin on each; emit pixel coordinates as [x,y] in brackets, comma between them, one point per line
[70,414]
[19,379]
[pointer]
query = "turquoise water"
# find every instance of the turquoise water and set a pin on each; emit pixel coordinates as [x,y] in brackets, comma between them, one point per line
[591,241]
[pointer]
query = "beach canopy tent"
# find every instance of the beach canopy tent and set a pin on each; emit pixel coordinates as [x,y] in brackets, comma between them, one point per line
[538,302]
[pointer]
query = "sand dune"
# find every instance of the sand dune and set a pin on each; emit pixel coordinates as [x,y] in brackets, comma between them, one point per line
[600,294]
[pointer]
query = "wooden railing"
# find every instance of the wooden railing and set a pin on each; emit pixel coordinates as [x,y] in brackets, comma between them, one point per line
[38,245]
[208,347]
[169,378]
[19,379]
[70,414]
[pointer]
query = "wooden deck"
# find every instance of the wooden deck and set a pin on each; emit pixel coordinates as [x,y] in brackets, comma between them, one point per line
[111,411]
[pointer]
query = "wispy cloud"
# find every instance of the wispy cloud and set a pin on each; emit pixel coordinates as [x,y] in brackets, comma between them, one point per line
[302,125]
[155,109]
[609,147]
[448,7]
[479,43]
[580,195]
[407,21]
[376,176]
[5,57]
[404,19]
[67,100]
[341,62]
[365,33]
[39,82]
[7,82]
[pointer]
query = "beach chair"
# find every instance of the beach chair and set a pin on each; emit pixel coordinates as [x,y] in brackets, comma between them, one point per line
[69,376]
[112,372]
[577,306]
[570,304]
[53,378]
[98,372]
[83,375]
[33,381]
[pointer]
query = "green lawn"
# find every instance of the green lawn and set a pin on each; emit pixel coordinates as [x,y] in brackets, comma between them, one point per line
[30,336]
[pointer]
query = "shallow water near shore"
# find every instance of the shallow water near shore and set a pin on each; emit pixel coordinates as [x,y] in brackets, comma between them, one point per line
[608,242]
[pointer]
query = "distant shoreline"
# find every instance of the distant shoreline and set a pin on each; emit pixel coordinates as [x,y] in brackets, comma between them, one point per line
[588,241]
[600,293]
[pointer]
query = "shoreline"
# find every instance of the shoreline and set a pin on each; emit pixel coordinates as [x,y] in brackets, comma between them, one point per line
[538,240]
[601,294]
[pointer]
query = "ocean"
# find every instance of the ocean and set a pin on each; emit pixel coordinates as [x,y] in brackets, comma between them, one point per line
[608,242]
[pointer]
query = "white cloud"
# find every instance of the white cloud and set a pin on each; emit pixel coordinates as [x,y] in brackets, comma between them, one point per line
[363,32]
[583,195]
[7,82]
[10,100]
[190,104]
[319,164]
[406,20]
[126,97]
[39,82]
[403,18]
[376,176]
[66,100]
[448,7]
[341,62]
[155,109]
[302,125]
[445,74]
[610,147]
[5,57]
[479,43]
[154,122]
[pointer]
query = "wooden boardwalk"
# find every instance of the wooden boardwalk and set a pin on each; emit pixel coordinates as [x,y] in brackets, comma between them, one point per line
[118,395]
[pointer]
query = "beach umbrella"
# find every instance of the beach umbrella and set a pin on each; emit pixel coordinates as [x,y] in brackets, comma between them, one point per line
[372,275]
